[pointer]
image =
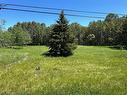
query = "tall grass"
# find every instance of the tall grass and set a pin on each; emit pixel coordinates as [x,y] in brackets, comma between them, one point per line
[90,71]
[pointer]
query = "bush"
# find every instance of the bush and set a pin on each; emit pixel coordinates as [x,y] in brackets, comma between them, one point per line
[6,39]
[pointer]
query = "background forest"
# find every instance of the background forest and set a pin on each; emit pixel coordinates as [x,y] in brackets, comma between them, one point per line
[110,31]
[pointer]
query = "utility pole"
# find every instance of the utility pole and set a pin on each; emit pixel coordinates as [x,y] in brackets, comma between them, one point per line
[1,5]
[2,22]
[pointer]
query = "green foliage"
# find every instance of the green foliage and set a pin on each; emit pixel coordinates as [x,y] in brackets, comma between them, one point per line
[91,39]
[20,37]
[108,32]
[6,39]
[124,31]
[37,31]
[79,32]
[111,31]
[111,17]
[61,42]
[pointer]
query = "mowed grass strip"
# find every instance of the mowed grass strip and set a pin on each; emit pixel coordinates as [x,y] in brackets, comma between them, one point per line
[90,71]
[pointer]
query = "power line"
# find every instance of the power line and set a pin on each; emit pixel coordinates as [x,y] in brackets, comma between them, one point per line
[53,13]
[91,12]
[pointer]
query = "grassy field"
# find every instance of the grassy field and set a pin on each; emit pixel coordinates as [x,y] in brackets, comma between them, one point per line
[90,71]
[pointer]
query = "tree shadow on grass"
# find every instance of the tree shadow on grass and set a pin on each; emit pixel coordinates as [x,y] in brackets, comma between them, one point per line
[15,47]
[118,47]
[48,54]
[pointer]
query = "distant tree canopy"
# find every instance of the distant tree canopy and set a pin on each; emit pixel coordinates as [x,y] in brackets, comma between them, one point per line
[111,17]
[36,31]
[20,37]
[110,31]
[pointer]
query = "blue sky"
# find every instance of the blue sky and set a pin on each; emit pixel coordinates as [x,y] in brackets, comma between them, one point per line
[12,17]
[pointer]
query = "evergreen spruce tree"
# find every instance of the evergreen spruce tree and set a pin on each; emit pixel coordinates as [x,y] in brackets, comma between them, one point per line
[61,42]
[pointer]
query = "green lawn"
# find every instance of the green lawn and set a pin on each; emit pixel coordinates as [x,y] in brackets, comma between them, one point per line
[90,71]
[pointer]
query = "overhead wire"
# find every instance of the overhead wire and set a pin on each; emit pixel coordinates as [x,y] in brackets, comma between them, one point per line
[53,13]
[91,12]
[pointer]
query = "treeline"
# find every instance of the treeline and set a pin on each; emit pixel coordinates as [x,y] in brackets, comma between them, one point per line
[110,31]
